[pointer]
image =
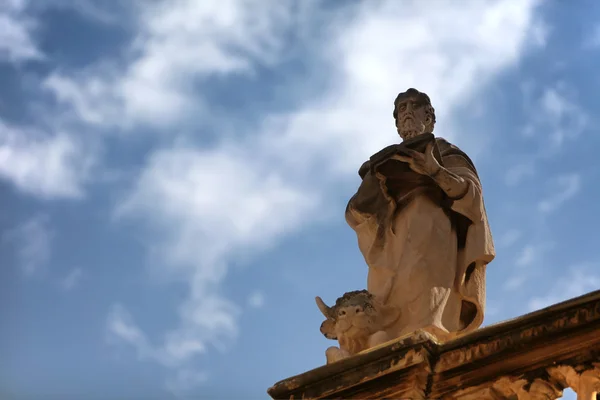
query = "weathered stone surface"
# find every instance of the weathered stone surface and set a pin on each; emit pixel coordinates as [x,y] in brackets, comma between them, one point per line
[532,357]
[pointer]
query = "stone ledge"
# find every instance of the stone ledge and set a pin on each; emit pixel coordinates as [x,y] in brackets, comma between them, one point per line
[417,367]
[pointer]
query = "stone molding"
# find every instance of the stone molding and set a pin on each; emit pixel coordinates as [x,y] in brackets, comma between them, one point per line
[532,357]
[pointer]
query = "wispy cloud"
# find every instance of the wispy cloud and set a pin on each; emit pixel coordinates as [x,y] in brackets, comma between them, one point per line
[121,326]
[368,73]
[16,41]
[592,40]
[566,116]
[526,260]
[185,381]
[256,300]
[515,281]
[509,238]
[188,197]
[519,172]
[179,346]
[43,164]
[557,113]
[71,279]
[218,39]
[564,187]
[32,244]
[580,280]
[528,255]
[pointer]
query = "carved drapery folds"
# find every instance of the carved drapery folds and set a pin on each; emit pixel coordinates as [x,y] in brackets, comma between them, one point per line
[534,357]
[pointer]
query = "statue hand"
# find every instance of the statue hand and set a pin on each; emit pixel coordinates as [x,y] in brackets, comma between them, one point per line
[422,163]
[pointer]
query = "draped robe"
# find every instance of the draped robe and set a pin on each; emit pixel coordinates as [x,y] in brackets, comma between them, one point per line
[435,249]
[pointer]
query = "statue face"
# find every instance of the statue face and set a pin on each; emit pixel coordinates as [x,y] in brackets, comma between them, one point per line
[414,117]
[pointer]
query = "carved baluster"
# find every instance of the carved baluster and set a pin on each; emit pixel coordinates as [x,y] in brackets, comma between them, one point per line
[507,387]
[542,389]
[589,384]
[584,381]
[477,393]
[538,389]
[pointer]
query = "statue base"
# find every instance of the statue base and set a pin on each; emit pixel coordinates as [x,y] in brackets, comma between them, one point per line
[534,356]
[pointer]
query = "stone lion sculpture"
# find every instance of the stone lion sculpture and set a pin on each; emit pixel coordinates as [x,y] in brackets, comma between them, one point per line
[357,321]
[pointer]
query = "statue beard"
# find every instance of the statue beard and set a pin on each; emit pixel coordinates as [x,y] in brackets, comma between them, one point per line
[410,127]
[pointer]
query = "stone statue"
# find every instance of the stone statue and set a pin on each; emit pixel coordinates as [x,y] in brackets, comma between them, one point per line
[358,321]
[422,227]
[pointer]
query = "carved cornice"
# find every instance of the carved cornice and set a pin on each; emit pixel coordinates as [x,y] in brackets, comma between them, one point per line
[567,333]
[405,361]
[507,335]
[531,357]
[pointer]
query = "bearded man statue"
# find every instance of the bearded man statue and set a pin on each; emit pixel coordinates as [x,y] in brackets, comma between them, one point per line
[421,223]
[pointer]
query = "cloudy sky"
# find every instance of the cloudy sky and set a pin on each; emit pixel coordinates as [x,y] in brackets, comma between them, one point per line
[174,173]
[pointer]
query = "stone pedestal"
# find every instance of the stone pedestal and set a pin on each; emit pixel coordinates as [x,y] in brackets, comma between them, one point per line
[535,356]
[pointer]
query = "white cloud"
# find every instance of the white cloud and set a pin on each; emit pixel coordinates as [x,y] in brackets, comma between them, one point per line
[527,255]
[71,279]
[179,44]
[228,199]
[36,163]
[509,238]
[515,281]
[395,46]
[31,242]
[581,280]
[593,40]
[518,173]
[566,116]
[206,320]
[16,42]
[256,300]
[564,188]
[185,381]
[558,115]
[121,326]
[540,32]
[43,165]
[526,260]
[207,206]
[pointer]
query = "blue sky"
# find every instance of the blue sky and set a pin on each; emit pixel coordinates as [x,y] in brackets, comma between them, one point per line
[174,173]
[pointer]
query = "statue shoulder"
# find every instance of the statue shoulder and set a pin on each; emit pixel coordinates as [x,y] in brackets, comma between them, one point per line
[449,149]
[443,144]
[364,168]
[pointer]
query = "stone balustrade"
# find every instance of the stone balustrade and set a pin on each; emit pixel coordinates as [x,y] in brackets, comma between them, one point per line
[535,356]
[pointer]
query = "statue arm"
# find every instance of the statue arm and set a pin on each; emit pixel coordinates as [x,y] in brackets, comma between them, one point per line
[452,184]
[464,190]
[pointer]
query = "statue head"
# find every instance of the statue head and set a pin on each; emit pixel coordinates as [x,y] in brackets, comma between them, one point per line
[413,114]
[354,315]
